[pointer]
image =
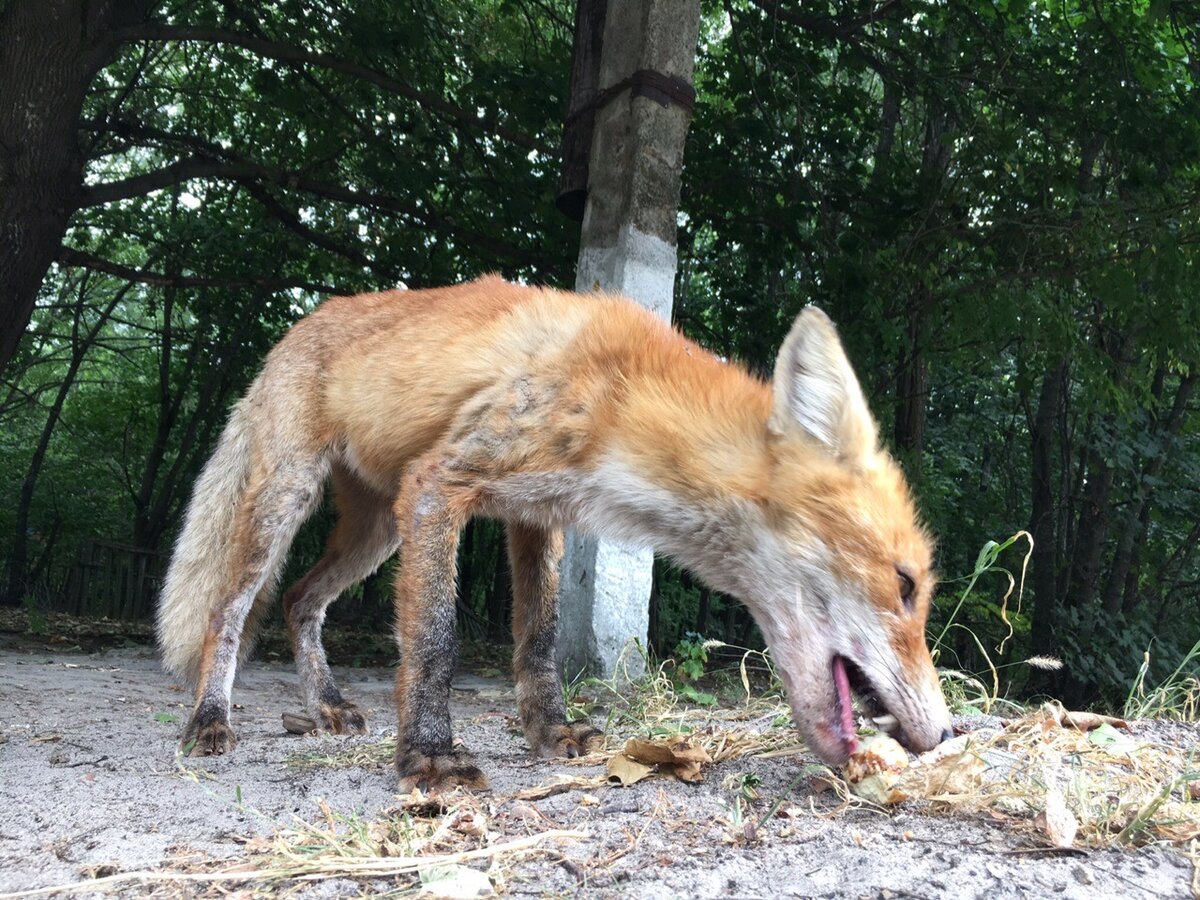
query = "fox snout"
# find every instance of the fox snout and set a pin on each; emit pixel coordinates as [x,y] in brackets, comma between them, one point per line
[905,700]
[822,685]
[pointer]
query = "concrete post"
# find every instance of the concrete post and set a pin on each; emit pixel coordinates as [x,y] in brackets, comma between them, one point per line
[627,246]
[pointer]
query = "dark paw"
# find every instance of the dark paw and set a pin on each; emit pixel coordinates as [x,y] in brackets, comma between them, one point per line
[570,741]
[437,773]
[210,738]
[344,719]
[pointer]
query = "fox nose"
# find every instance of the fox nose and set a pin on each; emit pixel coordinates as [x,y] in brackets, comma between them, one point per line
[948,734]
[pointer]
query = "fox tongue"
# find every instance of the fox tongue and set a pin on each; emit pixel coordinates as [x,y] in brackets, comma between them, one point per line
[842,682]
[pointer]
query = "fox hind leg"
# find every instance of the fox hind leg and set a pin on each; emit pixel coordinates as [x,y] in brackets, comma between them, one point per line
[363,538]
[268,520]
[430,512]
[534,554]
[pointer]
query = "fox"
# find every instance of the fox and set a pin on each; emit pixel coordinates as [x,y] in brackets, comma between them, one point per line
[550,410]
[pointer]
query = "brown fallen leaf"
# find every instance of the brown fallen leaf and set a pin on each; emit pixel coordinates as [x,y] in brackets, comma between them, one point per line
[625,771]
[566,783]
[946,775]
[673,756]
[419,805]
[665,750]
[1086,721]
[685,771]
[1052,715]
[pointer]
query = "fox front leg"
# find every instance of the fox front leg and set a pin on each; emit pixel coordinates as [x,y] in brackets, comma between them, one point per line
[430,514]
[534,554]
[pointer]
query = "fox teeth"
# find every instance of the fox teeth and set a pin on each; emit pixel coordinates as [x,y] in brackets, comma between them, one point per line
[885,722]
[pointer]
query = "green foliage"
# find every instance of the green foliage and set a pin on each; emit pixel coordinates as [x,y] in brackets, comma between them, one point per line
[691,659]
[691,656]
[35,618]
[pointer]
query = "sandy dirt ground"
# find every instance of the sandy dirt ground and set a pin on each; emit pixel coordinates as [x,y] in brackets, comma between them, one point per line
[89,786]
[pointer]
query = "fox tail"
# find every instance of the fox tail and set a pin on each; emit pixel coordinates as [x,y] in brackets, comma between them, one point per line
[200,572]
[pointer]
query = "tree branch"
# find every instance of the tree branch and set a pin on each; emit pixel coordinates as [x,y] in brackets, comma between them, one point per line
[175,173]
[69,256]
[247,172]
[292,223]
[834,28]
[839,30]
[287,53]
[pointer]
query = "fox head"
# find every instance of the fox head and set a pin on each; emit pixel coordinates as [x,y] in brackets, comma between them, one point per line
[847,566]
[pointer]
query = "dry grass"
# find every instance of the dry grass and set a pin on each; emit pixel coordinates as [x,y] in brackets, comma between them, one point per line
[372,755]
[1176,697]
[421,838]
[1119,791]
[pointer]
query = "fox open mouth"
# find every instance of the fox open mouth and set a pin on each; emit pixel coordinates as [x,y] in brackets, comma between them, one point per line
[849,680]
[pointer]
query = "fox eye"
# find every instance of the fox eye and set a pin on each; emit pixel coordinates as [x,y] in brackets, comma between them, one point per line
[906,589]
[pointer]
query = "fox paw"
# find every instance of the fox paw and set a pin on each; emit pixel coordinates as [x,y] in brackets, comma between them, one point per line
[437,773]
[211,738]
[573,740]
[344,719]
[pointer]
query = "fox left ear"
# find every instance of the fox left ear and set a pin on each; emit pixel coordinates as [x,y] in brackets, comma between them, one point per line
[816,390]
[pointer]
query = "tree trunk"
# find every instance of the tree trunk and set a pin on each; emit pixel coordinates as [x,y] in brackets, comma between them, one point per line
[499,598]
[50,50]
[1093,529]
[1095,511]
[703,612]
[1135,524]
[1043,523]
[912,388]
[18,574]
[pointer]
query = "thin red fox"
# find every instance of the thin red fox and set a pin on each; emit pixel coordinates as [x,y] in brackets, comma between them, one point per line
[549,410]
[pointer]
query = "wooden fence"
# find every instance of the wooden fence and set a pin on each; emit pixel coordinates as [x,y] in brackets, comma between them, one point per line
[113,580]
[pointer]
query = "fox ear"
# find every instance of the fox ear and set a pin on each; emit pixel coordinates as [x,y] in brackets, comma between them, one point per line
[816,391]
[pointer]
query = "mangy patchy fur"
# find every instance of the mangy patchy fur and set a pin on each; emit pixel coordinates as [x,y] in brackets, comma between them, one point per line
[546,410]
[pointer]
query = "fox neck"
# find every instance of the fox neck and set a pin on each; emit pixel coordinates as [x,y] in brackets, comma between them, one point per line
[707,512]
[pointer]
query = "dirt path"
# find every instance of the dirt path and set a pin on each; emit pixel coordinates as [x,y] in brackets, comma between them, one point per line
[89,785]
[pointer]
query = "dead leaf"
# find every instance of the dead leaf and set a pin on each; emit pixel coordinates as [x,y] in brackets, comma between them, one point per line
[566,783]
[945,777]
[686,771]
[1086,721]
[468,822]
[418,804]
[823,783]
[673,750]
[1052,715]
[673,756]
[1057,821]
[625,771]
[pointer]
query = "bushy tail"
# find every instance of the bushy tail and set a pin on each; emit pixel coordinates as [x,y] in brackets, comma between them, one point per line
[201,566]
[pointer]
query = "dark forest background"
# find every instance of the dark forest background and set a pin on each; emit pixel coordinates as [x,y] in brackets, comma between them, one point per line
[995,199]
